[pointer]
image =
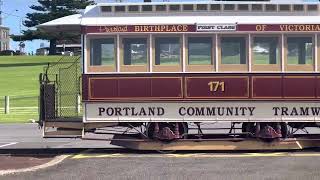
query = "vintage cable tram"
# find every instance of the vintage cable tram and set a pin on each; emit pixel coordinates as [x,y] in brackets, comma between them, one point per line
[159,68]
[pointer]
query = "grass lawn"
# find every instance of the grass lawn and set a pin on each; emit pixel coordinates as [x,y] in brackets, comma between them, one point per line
[20,80]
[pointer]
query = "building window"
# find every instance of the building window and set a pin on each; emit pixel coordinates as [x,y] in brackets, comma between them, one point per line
[135,51]
[102,52]
[233,50]
[300,50]
[199,50]
[167,51]
[266,50]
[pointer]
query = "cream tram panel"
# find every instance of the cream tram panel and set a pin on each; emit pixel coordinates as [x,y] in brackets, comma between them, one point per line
[202,112]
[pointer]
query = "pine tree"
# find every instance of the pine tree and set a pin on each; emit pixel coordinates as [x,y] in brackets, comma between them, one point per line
[48,10]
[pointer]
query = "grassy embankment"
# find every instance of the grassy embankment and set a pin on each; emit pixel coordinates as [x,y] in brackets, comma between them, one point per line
[19,79]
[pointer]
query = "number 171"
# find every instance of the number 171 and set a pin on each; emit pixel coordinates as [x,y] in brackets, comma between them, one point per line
[214,86]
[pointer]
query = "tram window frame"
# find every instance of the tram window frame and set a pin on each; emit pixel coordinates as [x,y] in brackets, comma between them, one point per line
[133,8]
[120,9]
[200,67]
[202,7]
[267,67]
[312,7]
[133,67]
[161,8]
[271,7]
[229,7]
[100,68]
[106,9]
[284,7]
[299,67]
[233,67]
[166,67]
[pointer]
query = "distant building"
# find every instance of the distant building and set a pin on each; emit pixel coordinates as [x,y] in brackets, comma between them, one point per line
[4,38]
[43,51]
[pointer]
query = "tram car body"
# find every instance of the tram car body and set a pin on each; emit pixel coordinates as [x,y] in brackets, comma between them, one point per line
[167,65]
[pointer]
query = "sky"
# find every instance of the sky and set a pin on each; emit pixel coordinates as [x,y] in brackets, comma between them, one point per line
[14,12]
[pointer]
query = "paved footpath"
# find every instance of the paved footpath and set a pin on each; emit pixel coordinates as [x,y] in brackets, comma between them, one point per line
[25,136]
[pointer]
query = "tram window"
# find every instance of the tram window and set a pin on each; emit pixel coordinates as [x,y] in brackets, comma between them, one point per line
[266,50]
[215,7]
[233,50]
[174,7]
[106,8]
[271,7]
[188,7]
[256,7]
[243,7]
[120,8]
[146,8]
[133,8]
[229,7]
[284,7]
[135,51]
[199,50]
[298,7]
[102,52]
[167,51]
[161,8]
[300,50]
[202,7]
[312,7]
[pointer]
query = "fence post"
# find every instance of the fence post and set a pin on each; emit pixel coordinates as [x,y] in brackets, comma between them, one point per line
[6,105]
[78,103]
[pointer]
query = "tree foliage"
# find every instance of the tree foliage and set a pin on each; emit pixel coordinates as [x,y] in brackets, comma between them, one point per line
[48,10]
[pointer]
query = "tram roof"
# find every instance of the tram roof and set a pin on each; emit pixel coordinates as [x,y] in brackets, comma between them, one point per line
[94,15]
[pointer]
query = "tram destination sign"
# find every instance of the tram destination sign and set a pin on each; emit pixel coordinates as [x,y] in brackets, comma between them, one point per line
[280,27]
[203,111]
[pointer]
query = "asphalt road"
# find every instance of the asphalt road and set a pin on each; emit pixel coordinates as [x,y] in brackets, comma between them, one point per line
[247,166]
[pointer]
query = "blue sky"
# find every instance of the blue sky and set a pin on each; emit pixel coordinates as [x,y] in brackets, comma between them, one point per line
[14,12]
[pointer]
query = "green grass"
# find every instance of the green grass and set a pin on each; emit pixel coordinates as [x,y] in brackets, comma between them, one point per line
[20,80]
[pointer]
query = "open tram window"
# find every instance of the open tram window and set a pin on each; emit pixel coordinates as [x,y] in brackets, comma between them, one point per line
[199,50]
[266,50]
[167,51]
[299,50]
[233,50]
[135,51]
[102,52]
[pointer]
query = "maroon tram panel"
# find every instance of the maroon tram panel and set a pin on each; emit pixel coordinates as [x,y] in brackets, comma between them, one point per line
[234,87]
[299,87]
[197,87]
[266,87]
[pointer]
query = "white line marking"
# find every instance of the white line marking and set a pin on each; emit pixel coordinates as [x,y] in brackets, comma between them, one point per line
[53,162]
[9,144]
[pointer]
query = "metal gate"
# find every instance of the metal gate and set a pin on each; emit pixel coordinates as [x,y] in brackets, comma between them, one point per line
[60,92]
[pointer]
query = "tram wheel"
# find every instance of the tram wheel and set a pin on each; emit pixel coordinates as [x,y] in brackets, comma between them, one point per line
[248,127]
[183,129]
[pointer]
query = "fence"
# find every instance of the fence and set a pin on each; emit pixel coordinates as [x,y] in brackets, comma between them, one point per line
[27,107]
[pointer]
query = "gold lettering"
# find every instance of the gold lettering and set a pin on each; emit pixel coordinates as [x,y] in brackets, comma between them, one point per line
[173,28]
[157,29]
[179,28]
[136,29]
[185,28]
[145,29]
[283,27]
[163,28]
[308,28]
[261,27]
[215,85]
[290,27]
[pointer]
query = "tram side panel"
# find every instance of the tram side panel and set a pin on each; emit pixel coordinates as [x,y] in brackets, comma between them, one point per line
[201,97]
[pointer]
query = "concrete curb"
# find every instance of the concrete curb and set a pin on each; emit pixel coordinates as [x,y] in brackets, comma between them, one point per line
[53,162]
